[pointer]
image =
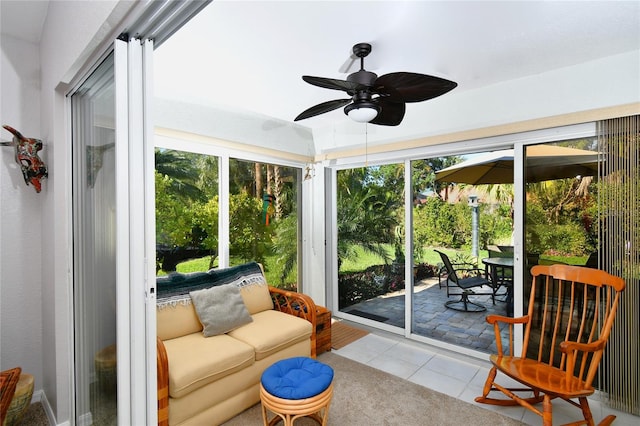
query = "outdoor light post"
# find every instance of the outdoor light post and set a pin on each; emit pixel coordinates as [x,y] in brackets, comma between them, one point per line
[473,202]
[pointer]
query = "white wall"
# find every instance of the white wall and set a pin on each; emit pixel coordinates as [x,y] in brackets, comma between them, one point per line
[235,126]
[21,226]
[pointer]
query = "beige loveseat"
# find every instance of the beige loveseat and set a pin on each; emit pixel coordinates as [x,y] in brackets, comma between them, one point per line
[208,380]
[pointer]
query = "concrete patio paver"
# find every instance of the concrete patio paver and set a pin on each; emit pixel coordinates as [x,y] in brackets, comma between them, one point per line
[431,318]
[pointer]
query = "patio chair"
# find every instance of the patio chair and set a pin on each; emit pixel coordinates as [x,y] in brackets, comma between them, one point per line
[442,273]
[501,276]
[592,261]
[471,278]
[570,314]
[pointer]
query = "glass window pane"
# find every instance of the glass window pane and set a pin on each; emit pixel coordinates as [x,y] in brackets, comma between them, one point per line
[371,238]
[263,218]
[461,218]
[186,211]
[561,221]
[94,251]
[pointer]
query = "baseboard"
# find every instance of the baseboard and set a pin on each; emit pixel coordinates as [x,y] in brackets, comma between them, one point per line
[41,397]
[37,396]
[85,420]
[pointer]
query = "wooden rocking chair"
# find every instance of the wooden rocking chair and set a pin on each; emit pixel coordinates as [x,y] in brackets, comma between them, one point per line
[570,314]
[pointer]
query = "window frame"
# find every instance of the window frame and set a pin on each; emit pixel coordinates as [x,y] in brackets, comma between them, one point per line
[225,153]
[517,141]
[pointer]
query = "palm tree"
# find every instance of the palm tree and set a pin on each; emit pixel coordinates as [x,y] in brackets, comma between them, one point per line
[182,169]
[364,219]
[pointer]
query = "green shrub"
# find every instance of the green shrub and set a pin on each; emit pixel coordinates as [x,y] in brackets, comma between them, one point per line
[435,224]
[496,225]
[559,240]
[375,281]
[357,287]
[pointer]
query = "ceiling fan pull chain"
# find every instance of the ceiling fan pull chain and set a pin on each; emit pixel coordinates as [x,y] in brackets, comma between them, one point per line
[366,144]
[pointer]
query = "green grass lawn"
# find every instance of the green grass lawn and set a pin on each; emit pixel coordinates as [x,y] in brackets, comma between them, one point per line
[358,263]
[364,259]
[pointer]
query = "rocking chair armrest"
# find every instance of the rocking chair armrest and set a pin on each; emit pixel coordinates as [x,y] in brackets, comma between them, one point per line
[568,346]
[493,319]
[496,320]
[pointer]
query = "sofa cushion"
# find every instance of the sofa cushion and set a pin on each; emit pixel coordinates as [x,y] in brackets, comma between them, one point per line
[176,320]
[220,309]
[256,297]
[216,402]
[176,315]
[271,331]
[195,360]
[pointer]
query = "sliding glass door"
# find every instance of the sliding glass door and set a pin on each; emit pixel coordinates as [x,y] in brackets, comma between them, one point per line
[455,219]
[492,213]
[94,210]
[114,303]
[371,243]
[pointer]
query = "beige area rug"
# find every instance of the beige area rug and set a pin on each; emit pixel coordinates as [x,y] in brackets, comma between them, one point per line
[366,396]
[343,334]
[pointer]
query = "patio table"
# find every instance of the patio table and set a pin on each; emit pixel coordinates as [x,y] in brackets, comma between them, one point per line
[500,270]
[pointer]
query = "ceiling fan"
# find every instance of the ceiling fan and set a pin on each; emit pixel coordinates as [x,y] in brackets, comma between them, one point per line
[378,100]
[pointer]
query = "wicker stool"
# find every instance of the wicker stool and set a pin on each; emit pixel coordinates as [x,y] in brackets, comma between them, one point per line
[21,400]
[106,369]
[296,387]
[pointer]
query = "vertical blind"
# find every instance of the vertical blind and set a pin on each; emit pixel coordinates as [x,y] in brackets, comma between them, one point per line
[619,206]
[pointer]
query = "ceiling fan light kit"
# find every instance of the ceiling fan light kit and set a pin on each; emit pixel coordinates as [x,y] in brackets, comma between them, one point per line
[379,100]
[363,112]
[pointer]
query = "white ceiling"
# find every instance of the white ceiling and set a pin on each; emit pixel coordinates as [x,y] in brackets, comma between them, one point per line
[251,54]
[23,19]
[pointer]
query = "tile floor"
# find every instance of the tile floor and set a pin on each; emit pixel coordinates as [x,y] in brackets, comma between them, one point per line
[453,374]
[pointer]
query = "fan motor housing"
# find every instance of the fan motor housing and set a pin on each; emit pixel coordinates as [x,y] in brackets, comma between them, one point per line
[366,78]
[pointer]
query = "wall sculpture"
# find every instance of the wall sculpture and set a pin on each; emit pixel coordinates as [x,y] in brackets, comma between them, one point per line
[26,155]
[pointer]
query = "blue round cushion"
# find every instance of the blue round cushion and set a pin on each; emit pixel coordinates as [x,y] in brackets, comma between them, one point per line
[297,378]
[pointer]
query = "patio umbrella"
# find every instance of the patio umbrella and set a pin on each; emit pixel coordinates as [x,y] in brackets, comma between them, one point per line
[544,162]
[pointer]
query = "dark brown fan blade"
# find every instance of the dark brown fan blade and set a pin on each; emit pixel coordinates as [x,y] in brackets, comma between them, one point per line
[391,113]
[331,83]
[389,93]
[322,108]
[413,87]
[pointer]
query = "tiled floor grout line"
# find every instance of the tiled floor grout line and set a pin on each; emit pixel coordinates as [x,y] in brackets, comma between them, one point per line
[382,352]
